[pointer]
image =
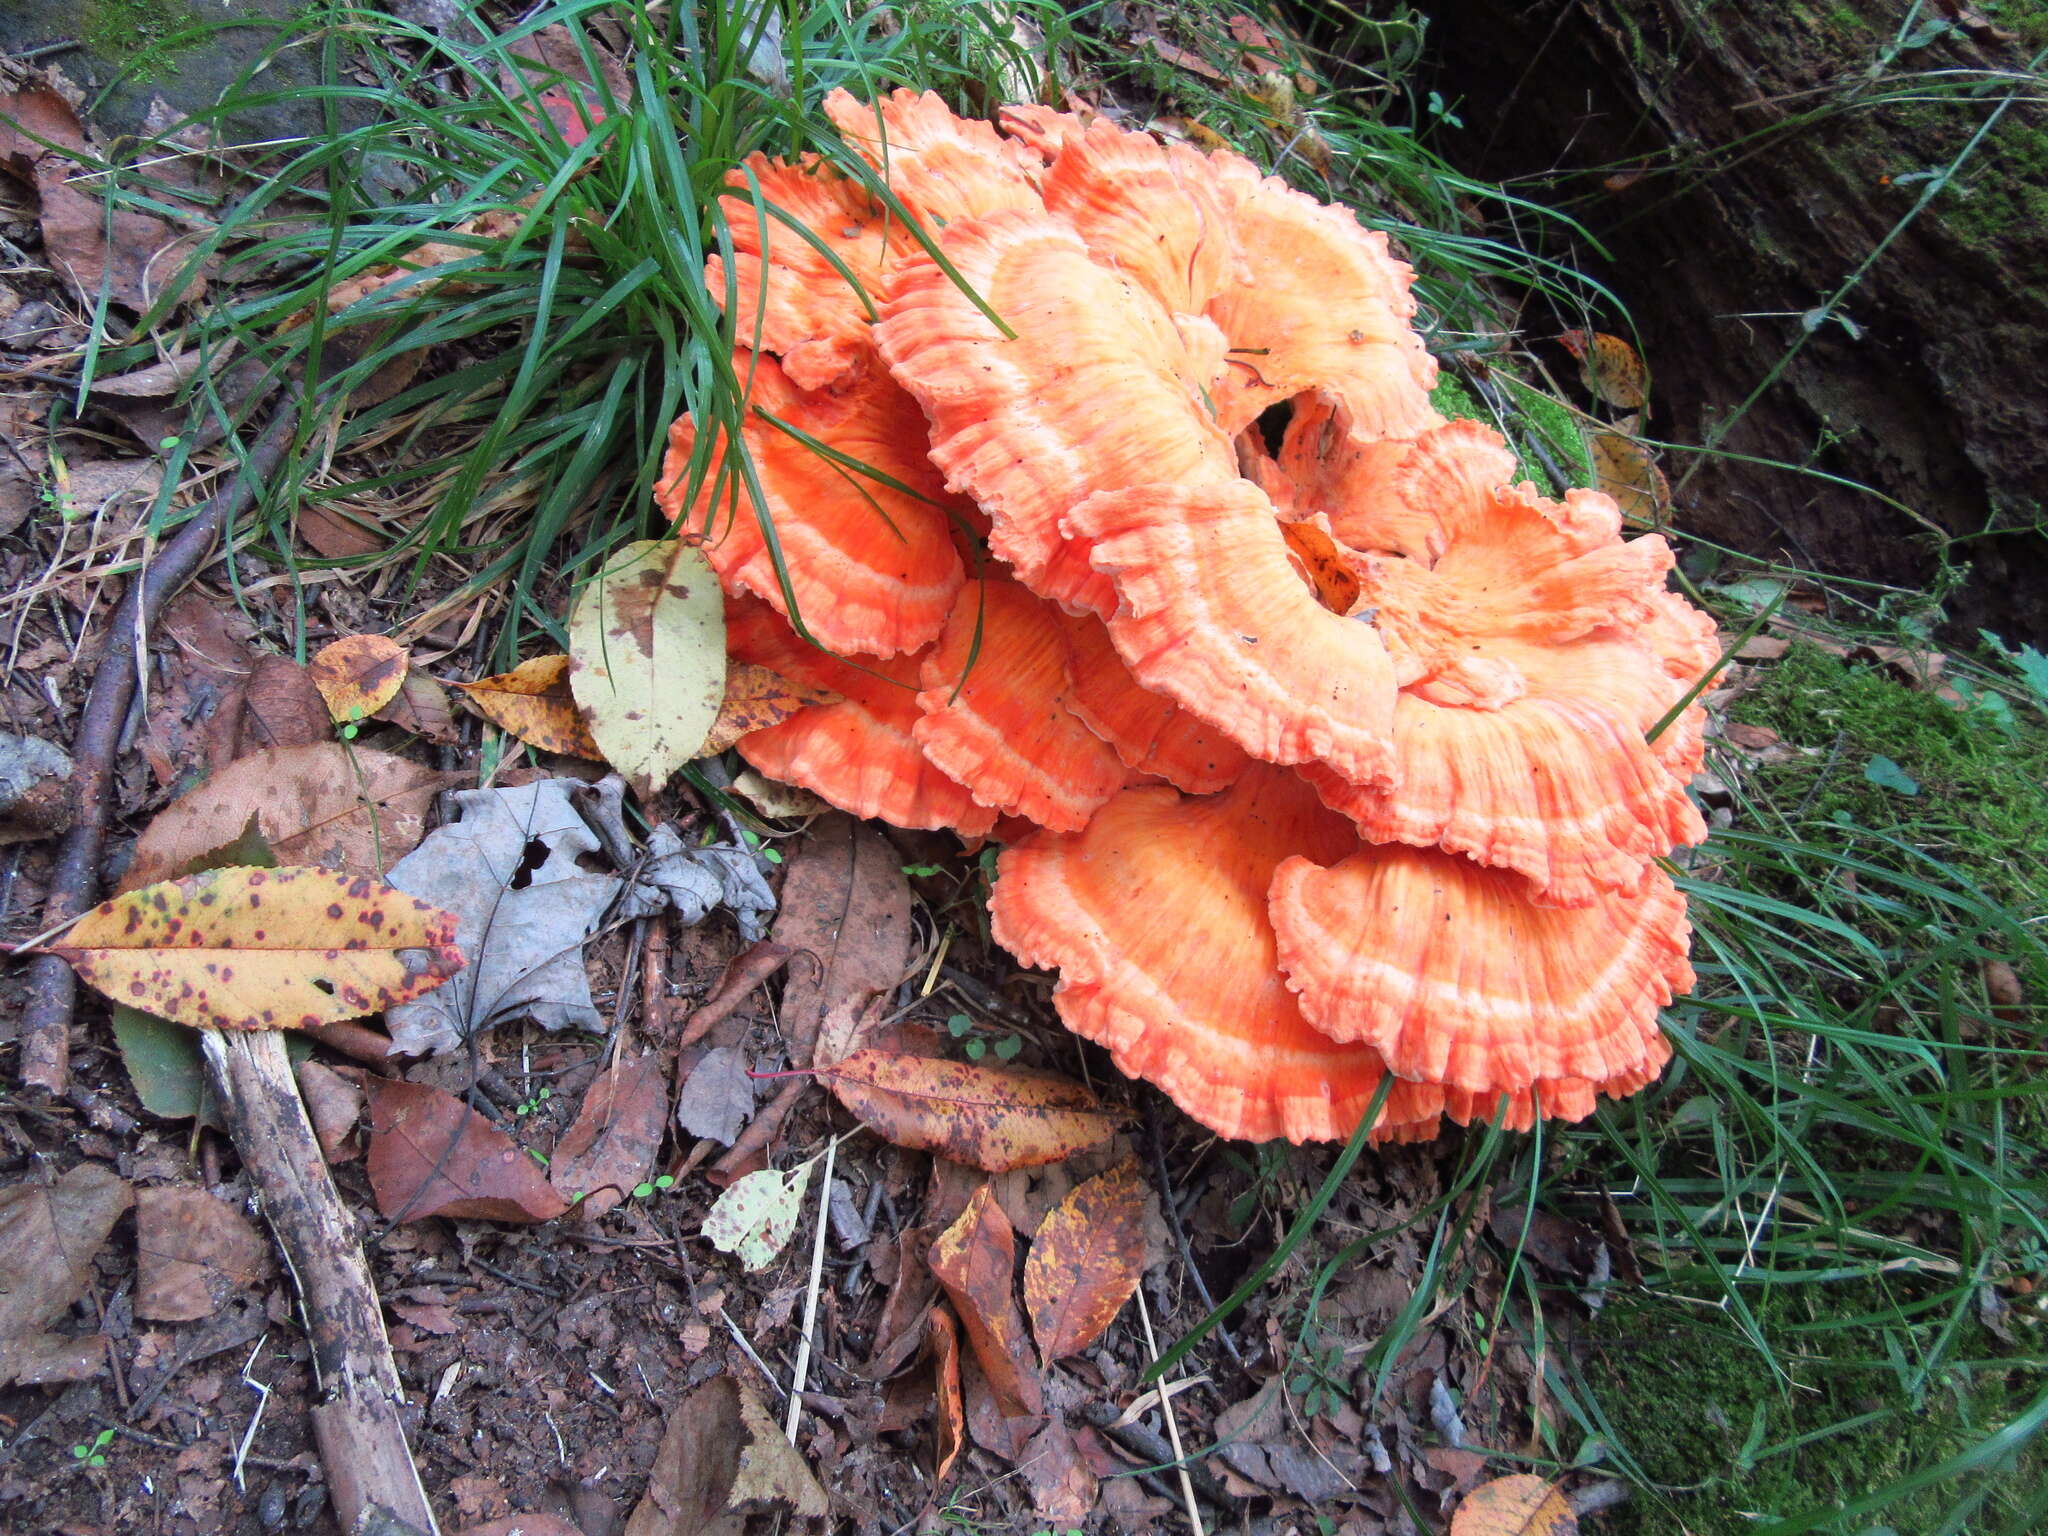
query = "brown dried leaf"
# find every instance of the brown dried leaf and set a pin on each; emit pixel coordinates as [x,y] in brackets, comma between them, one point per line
[262,948]
[1520,1505]
[334,535]
[618,1130]
[845,919]
[192,1251]
[1063,1490]
[48,1237]
[991,1118]
[952,1413]
[532,702]
[756,698]
[282,708]
[975,1260]
[432,1155]
[359,674]
[1085,1261]
[360,811]
[334,1105]
[1610,368]
[721,1459]
[421,706]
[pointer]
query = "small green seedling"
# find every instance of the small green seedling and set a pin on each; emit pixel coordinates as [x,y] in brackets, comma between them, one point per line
[533,1103]
[92,1453]
[643,1190]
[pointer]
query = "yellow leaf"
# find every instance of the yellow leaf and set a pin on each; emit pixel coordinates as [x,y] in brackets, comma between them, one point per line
[1520,1505]
[647,659]
[532,702]
[359,675]
[1086,1258]
[1625,470]
[756,698]
[991,1119]
[263,948]
[1610,368]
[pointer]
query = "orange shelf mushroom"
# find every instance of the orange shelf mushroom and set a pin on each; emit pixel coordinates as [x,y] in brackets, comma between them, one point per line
[1402,708]
[1156,920]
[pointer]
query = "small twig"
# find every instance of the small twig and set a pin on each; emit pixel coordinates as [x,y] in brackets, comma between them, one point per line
[1180,1456]
[747,1349]
[1141,1441]
[803,1347]
[45,1051]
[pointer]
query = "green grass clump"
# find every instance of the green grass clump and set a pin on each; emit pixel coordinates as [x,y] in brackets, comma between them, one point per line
[1981,772]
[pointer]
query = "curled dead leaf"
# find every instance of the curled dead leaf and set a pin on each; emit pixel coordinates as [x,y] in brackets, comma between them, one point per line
[975,1260]
[986,1117]
[756,697]
[532,702]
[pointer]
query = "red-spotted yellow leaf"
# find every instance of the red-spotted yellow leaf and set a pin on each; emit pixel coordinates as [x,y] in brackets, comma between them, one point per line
[975,1259]
[986,1117]
[532,702]
[263,948]
[1610,368]
[1086,1259]
[647,658]
[359,675]
[1519,1505]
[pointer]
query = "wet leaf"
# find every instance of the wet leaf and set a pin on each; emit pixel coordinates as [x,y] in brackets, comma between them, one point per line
[975,1260]
[48,1237]
[757,1215]
[612,1145]
[262,948]
[1624,469]
[1610,368]
[1520,1505]
[357,811]
[192,1252]
[1085,1260]
[952,1413]
[846,917]
[359,675]
[722,1458]
[532,702]
[432,1155]
[990,1118]
[1320,564]
[647,659]
[524,906]
[756,698]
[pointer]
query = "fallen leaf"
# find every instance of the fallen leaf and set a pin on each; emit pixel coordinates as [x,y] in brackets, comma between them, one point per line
[757,1215]
[1750,738]
[335,536]
[691,881]
[193,723]
[119,490]
[774,799]
[282,708]
[845,906]
[1320,564]
[49,1235]
[35,789]
[647,659]
[1610,368]
[975,1260]
[166,1066]
[432,1155]
[1887,774]
[421,706]
[522,1525]
[1063,1490]
[611,1147]
[508,870]
[1624,469]
[359,674]
[1518,1505]
[756,698]
[1762,648]
[1085,1261]
[987,1117]
[722,1458]
[357,811]
[1559,1244]
[532,702]
[952,1427]
[718,1097]
[155,379]
[334,1105]
[192,1251]
[262,948]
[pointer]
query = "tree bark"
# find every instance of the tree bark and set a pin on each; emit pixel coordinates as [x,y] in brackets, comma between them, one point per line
[1741,164]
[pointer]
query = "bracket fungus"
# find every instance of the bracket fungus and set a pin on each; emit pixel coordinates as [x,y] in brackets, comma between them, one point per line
[1323,753]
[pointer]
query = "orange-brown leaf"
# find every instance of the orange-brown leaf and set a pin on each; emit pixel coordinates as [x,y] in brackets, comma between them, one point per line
[359,675]
[1321,566]
[532,702]
[952,1410]
[1520,1505]
[431,1154]
[991,1119]
[1085,1261]
[756,698]
[1610,368]
[975,1260]
[263,948]
[1624,469]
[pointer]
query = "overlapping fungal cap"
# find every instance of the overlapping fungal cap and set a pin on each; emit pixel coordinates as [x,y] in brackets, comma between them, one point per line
[860,754]
[861,517]
[1155,917]
[995,716]
[1402,704]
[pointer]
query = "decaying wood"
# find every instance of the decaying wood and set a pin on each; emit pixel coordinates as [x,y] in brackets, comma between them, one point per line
[356,1424]
[45,1058]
